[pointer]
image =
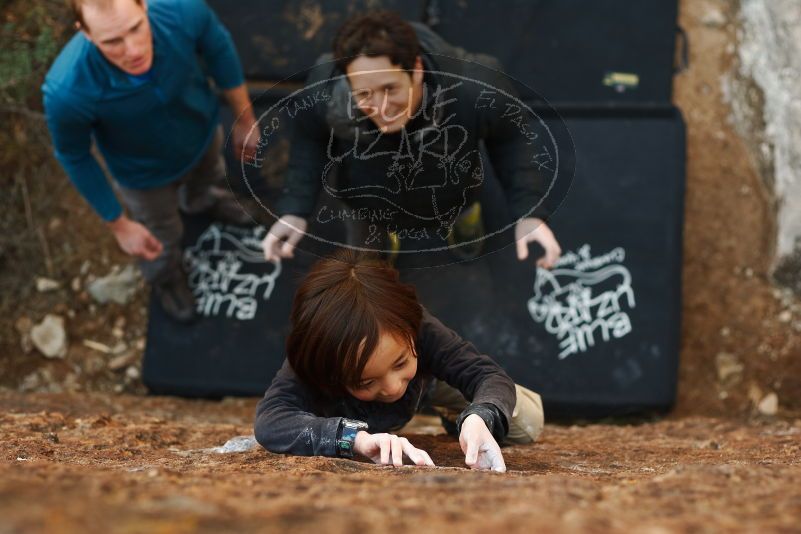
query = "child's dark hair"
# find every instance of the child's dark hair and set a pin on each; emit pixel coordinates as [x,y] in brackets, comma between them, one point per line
[339,311]
[374,34]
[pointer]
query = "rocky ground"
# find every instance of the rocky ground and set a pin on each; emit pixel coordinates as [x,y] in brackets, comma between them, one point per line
[84,450]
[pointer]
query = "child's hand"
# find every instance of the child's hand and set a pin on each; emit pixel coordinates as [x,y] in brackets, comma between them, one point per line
[480,449]
[389,448]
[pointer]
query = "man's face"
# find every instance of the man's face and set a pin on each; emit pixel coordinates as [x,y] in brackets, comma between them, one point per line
[388,372]
[385,92]
[122,34]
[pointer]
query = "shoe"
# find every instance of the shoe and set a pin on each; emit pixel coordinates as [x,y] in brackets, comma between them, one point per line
[176,298]
[469,227]
[229,210]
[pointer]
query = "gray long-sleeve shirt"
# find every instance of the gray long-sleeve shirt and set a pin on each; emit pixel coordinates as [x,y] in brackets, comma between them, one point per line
[294,419]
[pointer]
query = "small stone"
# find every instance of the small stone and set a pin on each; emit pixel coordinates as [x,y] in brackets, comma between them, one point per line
[54,224]
[46,284]
[713,18]
[75,284]
[769,405]
[85,267]
[725,331]
[119,322]
[50,337]
[132,373]
[119,347]
[71,314]
[748,272]
[140,344]
[785,317]
[96,345]
[236,444]
[119,388]
[122,361]
[116,287]
[117,332]
[729,368]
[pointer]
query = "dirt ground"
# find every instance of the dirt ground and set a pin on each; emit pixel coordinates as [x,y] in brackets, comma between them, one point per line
[101,463]
[83,450]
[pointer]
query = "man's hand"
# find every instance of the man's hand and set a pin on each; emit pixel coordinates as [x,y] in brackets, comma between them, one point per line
[283,236]
[135,239]
[389,449]
[480,449]
[533,229]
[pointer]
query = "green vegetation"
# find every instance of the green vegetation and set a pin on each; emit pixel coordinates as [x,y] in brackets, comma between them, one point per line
[31,34]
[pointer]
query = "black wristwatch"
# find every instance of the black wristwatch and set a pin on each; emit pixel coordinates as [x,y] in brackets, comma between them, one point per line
[346,436]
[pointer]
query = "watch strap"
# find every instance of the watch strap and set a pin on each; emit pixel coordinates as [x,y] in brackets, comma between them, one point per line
[346,436]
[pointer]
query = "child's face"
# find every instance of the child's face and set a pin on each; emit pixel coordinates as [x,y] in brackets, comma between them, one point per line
[388,371]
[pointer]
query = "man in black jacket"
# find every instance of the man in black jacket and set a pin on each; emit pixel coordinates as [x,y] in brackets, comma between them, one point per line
[395,135]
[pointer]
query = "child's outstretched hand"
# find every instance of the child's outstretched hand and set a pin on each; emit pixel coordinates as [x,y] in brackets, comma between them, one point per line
[389,449]
[480,449]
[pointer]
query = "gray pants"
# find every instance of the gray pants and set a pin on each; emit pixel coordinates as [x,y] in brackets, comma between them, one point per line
[157,208]
[528,417]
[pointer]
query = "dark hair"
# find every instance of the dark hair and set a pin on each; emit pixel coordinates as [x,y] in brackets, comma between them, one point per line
[374,34]
[339,311]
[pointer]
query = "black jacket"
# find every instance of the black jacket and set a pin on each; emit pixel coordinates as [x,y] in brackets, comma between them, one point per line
[292,418]
[427,173]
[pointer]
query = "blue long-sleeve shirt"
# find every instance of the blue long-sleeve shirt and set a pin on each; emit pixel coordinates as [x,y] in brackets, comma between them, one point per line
[150,130]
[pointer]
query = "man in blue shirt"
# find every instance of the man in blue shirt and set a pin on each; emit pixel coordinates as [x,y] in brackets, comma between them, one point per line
[135,80]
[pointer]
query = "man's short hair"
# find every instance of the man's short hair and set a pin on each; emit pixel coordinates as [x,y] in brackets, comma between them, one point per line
[76,6]
[339,312]
[375,34]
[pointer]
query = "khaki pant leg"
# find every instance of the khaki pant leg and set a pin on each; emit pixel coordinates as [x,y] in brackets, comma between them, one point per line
[447,401]
[528,417]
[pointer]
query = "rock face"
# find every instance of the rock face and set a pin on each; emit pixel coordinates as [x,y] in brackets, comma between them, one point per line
[770,59]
